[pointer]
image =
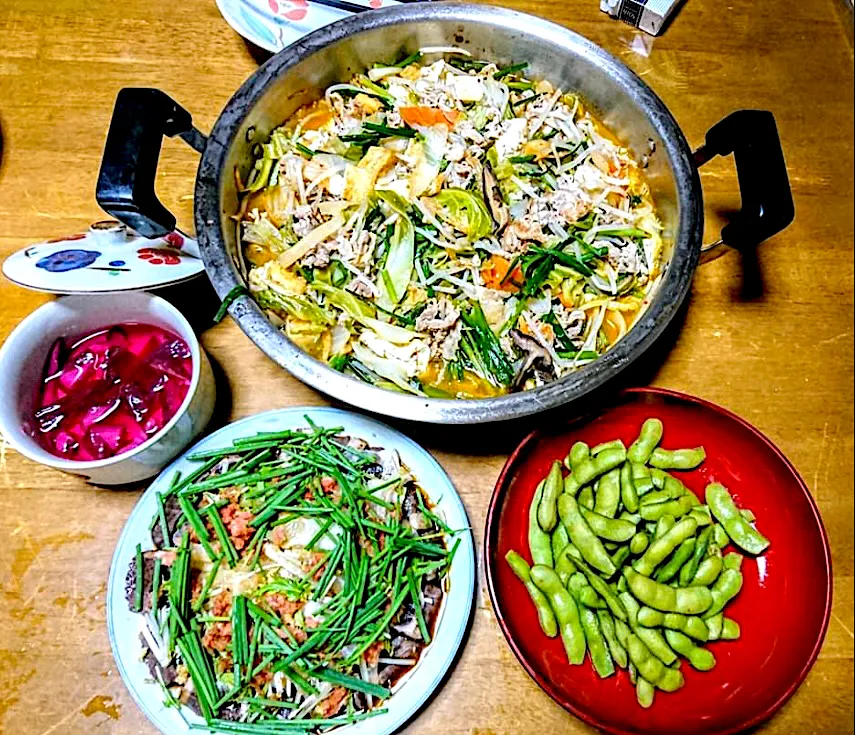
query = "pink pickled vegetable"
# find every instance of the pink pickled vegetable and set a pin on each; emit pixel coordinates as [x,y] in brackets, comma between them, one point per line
[107,392]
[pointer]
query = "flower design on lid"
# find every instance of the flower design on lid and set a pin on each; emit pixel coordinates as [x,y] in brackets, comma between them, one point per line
[158,256]
[67,260]
[174,240]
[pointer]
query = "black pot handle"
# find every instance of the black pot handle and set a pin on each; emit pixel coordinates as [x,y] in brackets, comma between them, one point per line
[767,201]
[141,117]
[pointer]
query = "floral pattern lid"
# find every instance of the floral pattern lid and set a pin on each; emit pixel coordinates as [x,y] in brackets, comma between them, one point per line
[107,258]
[275,24]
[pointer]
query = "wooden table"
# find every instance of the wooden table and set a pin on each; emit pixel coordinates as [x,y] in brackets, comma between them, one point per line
[775,347]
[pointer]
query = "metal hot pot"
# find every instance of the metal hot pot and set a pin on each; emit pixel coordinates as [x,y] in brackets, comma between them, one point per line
[298,74]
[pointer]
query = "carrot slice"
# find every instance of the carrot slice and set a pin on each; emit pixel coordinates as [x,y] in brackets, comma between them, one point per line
[428,116]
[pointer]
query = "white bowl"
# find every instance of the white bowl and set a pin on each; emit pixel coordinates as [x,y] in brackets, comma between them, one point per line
[22,358]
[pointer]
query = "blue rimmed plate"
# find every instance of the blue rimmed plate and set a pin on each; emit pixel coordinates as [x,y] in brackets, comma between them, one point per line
[414,689]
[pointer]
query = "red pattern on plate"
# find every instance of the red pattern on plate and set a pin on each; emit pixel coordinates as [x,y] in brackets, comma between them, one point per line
[783,609]
[299,9]
[174,240]
[158,256]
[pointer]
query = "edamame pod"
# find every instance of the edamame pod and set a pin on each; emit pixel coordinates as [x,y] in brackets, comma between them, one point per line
[658,477]
[700,658]
[663,525]
[653,639]
[641,479]
[547,510]
[591,469]
[565,563]
[633,672]
[579,453]
[740,531]
[586,498]
[645,693]
[619,558]
[610,529]
[613,444]
[648,439]
[671,491]
[708,571]
[733,560]
[702,515]
[730,630]
[608,493]
[609,631]
[651,668]
[539,542]
[566,612]
[548,622]
[690,568]
[678,559]
[726,587]
[720,536]
[628,493]
[600,656]
[583,538]
[638,544]
[715,624]
[664,545]
[691,625]
[560,539]
[748,515]
[684,600]
[604,591]
[678,459]
[677,508]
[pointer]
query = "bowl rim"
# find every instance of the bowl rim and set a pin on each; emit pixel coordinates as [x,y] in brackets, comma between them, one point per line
[88,302]
[668,299]
[492,527]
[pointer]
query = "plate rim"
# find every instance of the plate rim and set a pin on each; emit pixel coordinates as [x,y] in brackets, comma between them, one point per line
[491,529]
[423,697]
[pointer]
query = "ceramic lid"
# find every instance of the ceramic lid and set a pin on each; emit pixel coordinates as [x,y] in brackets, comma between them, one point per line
[109,257]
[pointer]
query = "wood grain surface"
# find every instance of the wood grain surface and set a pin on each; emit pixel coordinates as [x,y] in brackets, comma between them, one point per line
[770,338]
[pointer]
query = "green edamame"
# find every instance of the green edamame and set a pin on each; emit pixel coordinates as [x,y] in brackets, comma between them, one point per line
[691,625]
[677,508]
[594,467]
[628,493]
[548,622]
[613,444]
[720,536]
[633,673]
[684,600]
[733,560]
[565,563]
[566,612]
[579,453]
[663,525]
[619,558]
[715,624]
[708,572]
[648,439]
[610,529]
[605,592]
[730,630]
[690,568]
[678,559]
[748,515]
[609,631]
[539,542]
[658,477]
[644,692]
[740,531]
[641,479]
[702,515]
[547,509]
[664,545]
[583,538]
[651,668]
[560,539]
[726,587]
[699,658]
[586,498]
[608,494]
[638,544]
[588,597]
[652,639]
[678,459]
[600,656]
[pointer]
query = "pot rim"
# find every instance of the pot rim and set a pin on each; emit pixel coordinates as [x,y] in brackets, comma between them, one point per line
[670,294]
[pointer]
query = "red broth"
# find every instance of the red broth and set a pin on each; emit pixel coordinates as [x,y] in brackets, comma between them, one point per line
[105,392]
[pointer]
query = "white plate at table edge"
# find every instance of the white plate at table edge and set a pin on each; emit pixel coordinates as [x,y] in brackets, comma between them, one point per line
[414,689]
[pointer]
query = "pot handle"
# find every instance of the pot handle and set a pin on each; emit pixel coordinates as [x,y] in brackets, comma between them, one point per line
[125,189]
[767,201]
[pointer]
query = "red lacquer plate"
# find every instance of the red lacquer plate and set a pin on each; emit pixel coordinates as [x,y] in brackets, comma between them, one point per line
[783,609]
